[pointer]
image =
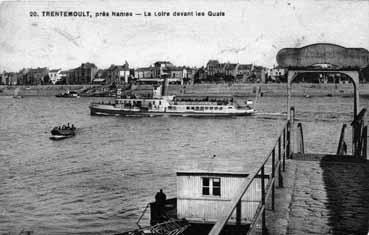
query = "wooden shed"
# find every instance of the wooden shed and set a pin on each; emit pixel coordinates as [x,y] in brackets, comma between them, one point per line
[205,189]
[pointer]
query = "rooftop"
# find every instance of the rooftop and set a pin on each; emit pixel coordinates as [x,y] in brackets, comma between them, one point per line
[217,165]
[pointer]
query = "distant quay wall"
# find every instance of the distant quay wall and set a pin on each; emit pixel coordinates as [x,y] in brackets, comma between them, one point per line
[238,89]
[271,89]
[41,90]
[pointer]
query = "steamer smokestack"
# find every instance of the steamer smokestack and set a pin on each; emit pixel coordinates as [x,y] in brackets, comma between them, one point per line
[164,90]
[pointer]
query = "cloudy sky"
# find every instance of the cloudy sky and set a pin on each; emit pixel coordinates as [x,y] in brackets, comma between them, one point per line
[250,32]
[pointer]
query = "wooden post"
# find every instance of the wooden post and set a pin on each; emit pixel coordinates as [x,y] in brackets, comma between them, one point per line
[238,213]
[280,179]
[341,142]
[288,149]
[300,139]
[263,226]
[292,135]
[365,142]
[284,145]
[273,174]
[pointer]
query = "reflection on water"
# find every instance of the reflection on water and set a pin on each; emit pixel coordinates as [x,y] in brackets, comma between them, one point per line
[100,180]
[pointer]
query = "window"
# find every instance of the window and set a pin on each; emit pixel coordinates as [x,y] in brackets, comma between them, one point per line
[205,186]
[211,186]
[187,108]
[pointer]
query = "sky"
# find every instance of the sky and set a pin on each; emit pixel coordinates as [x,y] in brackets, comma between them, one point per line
[251,31]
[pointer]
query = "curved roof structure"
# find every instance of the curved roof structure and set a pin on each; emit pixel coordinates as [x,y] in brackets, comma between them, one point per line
[323,53]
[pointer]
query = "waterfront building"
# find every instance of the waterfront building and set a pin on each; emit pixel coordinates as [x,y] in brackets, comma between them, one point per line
[178,74]
[117,74]
[230,69]
[100,76]
[259,73]
[9,78]
[144,72]
[55,75]
[84,74]
[162,69]
[277,73]
[244,71]
[205,188]
[63,77]
[37,76]
[189,79]
[213,67]
[200,75]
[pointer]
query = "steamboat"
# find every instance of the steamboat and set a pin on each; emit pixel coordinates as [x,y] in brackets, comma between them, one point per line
[161,104]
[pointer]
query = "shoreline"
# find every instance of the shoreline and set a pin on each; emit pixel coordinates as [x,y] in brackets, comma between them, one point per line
[237,89]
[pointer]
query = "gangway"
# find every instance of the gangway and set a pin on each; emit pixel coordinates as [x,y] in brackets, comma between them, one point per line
[171,227]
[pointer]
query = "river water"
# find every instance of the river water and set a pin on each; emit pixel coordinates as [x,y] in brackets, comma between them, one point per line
[99,181]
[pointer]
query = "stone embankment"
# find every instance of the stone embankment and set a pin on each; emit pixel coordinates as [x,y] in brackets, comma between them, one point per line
[241,89]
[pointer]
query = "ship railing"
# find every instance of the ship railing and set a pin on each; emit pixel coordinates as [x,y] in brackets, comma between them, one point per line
[274,163]
[142,215]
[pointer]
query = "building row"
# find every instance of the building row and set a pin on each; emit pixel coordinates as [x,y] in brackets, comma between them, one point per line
[88,73]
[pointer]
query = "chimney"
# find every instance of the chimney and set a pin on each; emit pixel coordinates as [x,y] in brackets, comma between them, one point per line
[164,91]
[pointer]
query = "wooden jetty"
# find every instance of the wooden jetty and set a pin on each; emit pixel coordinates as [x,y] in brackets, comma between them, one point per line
[290,192]
[315,193]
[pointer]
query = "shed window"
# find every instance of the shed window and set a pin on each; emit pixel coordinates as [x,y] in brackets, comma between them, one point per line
[211,186]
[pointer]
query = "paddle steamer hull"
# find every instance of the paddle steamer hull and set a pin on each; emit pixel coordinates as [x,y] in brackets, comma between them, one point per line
[111,110]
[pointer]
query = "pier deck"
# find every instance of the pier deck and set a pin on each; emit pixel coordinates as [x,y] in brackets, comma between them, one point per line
[322,194]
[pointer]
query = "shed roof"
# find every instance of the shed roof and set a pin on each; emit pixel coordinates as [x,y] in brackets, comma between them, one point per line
[217,165]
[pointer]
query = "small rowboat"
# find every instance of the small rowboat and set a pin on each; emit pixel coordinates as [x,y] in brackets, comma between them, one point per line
[60,137]
[59,133]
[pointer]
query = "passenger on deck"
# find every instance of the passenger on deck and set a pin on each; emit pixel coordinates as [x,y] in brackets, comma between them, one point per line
[160,197]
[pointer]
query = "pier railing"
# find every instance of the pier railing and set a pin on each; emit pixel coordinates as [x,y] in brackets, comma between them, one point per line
[274,163]
[342,146]
[359,135]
